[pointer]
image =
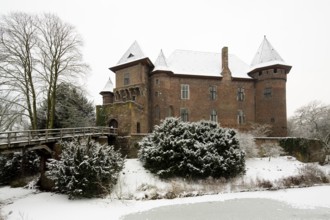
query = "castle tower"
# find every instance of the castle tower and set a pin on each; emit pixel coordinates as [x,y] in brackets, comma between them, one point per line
[107,93]
[270,72]
[131,104]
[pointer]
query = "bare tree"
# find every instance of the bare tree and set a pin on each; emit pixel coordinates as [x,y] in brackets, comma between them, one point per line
[260,130]
[60,57]
[271,150]
[10,114]
[37,53]
[311,121]
[18,40]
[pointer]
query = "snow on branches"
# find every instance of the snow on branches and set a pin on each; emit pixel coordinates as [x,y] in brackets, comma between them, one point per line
[85,169]
[194,150]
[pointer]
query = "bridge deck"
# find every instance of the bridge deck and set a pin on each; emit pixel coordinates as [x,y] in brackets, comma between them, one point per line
[12,140]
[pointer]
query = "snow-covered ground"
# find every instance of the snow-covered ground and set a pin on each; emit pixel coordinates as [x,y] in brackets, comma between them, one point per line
[136,183]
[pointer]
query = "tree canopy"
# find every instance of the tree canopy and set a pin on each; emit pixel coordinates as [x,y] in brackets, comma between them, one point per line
[38,53]
[311,121]
[72,109]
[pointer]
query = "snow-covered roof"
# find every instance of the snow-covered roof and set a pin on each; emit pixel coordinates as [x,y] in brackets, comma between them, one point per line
[160,63]
[108,86]
[133,53]
[204,64]
[266,56]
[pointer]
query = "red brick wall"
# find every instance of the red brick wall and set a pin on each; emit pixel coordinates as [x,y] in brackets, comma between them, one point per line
[199,103]
[160,91]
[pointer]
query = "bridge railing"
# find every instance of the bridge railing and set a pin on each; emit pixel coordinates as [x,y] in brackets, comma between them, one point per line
[46,135]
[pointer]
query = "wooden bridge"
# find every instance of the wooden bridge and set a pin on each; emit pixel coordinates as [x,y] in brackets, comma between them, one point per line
[40,139]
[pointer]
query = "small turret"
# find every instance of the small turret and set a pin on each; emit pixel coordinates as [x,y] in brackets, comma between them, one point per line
[107,93]
[161,63]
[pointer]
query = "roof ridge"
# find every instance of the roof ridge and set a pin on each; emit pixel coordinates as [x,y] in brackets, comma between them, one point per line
[196,51]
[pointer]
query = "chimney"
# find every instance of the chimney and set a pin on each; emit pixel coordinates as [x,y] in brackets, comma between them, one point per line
[226,74]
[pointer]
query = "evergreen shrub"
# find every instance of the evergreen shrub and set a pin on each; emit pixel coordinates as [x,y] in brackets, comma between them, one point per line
[85,169]
[12,166]
[192,150]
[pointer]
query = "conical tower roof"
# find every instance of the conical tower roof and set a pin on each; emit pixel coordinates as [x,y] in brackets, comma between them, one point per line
[133,53]
[108,86]
[161,63]
[266,56]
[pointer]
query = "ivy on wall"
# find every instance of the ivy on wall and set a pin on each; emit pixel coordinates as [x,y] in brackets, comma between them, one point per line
[100,116]
[305,150]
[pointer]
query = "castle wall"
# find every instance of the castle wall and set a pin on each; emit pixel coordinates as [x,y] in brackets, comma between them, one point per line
[166,94]
[142,98]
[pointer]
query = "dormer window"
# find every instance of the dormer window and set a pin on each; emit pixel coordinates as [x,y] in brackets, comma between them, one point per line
[130,55]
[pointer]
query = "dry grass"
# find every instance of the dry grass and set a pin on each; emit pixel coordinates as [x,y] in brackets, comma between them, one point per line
[309,175]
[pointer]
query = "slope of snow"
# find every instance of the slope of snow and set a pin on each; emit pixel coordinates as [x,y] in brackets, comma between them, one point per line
[133,53]
[274,169]
[204,64]
[18,203]
[266,53]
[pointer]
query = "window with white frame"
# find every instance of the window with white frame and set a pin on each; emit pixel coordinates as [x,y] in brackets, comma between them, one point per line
[184,91]
[184,114]
[214,115]
[240,117]
[240,94]
[213,92]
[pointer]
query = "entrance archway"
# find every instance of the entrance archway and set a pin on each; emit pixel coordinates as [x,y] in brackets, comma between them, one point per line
[113,123]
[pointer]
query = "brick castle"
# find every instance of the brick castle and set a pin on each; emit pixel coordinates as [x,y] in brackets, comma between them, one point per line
[195,86]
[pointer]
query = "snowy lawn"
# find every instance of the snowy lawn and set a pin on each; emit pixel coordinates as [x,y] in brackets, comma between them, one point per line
[136,183]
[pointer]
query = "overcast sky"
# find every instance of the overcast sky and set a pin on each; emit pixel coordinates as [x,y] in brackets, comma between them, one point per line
[298,29]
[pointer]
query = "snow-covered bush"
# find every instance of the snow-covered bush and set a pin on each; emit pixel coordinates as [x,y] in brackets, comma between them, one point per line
[247,144]
[85,169]
[271,150]
[12,166]
[194,150]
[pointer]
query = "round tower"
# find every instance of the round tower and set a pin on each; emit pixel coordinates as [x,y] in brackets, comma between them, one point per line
[107,93]
[270,72]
